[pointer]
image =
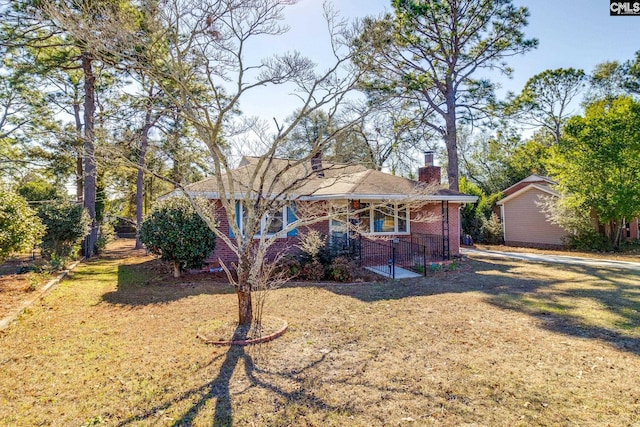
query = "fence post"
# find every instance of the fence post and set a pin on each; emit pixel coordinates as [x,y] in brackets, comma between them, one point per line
[424,260]
[393,261]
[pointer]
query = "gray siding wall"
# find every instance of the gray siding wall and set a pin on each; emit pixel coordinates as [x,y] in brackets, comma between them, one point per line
[524,221]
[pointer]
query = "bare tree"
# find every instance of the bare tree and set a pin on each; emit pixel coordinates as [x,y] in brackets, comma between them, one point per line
[208,42]
[207,53]
[394,133]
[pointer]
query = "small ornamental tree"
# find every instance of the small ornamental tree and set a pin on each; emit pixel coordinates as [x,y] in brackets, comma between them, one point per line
[66,225]
[20,228]
[40,191]
[176,232]
[597,165]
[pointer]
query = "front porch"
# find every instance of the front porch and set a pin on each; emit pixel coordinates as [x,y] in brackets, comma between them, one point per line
[395,257]
[389,239]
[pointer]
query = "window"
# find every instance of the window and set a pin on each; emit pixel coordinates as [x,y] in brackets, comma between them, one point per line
[271,223]
[402,218]
[385,219]
[365,217]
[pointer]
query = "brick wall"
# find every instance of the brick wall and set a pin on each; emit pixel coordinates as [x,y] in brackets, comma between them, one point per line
[288,244]
[223,252]
[632,230]
[435,227]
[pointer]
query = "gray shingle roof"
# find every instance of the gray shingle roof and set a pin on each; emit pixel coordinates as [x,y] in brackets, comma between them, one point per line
[294,179]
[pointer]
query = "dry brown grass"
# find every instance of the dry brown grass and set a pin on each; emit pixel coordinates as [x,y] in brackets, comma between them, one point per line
[495,343]
[15,288]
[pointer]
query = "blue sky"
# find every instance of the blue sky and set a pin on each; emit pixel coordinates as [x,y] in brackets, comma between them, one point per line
[571,33]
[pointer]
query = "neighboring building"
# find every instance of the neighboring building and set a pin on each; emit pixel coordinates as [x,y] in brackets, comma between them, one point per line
[525,224]
[523,221]
[388,222]
[631,230]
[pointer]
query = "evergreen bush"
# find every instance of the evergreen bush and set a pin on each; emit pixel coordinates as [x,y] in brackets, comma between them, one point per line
[176,232]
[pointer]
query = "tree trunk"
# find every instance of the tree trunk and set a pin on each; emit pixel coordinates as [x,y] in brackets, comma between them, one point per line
[451,141]
[176,269]
[144,142]
[245,308]
[79,156]
[617,235]
[89,152]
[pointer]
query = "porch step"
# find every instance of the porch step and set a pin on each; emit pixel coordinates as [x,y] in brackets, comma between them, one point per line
[401,273]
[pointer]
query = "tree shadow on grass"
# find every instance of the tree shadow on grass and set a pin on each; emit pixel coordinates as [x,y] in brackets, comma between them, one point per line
[148,283]
[219,390]
[474,276]
[582,301]
[597,303]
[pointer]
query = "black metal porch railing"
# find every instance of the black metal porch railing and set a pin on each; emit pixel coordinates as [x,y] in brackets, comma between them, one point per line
[415,252]
[379,256]
[433,243]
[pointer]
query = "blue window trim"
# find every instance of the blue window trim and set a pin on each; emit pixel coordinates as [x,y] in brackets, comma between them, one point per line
[289,218]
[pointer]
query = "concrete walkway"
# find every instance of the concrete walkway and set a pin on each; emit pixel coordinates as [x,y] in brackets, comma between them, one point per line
[557,259]
[401,273]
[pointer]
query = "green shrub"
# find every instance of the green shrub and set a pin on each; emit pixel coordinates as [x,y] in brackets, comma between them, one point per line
[56,263]
[473,223]
[176,232]
[66,225]
[20,228]
[473,216]
[630,245]
[588,240]
[289,266]
[492,231]
[106,235]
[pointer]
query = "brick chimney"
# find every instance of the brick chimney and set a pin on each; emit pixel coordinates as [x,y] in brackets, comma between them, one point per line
[316,164]
[429,173]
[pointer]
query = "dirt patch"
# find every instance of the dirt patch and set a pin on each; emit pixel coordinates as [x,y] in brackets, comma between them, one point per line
[221,332]
[14,289]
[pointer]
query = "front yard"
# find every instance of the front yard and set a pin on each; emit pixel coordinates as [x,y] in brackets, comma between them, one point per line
[496,343]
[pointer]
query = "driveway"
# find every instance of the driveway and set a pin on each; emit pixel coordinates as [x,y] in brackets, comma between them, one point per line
[558,259]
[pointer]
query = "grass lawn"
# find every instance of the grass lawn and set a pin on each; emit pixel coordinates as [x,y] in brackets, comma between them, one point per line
[495,343]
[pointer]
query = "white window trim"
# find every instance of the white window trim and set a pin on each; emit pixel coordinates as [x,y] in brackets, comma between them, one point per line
[396,212]
[263,224]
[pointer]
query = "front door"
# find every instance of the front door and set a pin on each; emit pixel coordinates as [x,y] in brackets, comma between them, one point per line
[338,236]
[338,227]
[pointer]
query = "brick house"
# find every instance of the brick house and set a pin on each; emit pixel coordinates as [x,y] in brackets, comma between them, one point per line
[378,210]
